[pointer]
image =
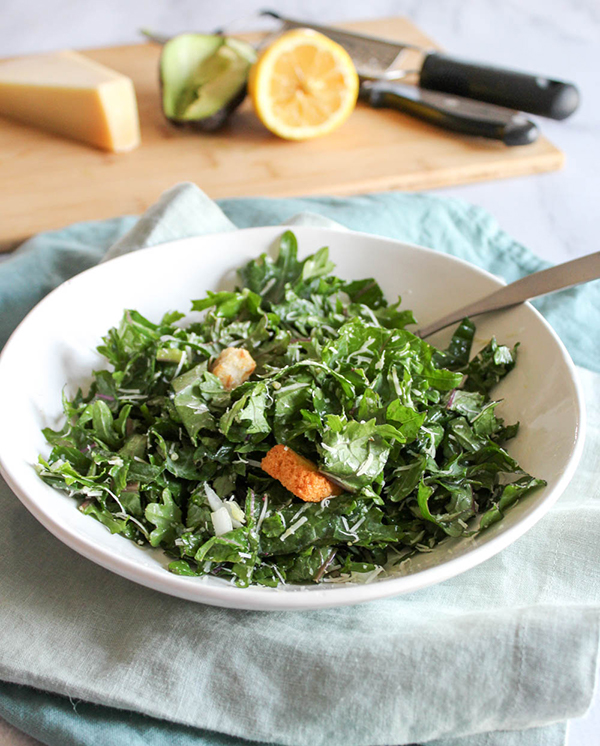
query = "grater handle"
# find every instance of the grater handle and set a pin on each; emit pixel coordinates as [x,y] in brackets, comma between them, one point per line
[515,90]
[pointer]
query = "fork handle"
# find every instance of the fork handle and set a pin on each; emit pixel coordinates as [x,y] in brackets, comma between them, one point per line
[575,272]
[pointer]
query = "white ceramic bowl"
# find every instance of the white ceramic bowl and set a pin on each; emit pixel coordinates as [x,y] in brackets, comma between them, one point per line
[55,346]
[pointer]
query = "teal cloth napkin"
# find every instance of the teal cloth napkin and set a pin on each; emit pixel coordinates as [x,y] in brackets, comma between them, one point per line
[501,655]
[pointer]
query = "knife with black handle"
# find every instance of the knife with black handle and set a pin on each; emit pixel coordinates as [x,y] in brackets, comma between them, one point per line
[516,90]
[377,58]
[453,113]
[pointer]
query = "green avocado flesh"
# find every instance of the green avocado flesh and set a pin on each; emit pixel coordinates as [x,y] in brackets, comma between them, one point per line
[203,77]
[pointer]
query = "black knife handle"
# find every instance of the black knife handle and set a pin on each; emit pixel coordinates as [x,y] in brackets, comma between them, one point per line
[515,90]
[453,112]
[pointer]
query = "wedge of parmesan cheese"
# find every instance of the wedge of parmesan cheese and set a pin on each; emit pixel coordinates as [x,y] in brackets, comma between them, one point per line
[69,94]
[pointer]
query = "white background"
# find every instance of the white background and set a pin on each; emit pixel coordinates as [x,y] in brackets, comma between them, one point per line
[555,215]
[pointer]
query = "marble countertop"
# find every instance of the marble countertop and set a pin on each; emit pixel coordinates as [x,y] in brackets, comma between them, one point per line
[552,214]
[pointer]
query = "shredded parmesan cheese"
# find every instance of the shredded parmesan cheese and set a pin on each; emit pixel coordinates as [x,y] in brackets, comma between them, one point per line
[293,528]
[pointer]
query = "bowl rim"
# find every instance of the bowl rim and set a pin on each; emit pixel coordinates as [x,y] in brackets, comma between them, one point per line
[291,597]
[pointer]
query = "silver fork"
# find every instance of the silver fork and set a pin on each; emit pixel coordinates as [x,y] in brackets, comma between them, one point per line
[566,275]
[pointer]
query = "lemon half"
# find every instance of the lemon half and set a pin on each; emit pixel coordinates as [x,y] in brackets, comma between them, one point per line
[303,85]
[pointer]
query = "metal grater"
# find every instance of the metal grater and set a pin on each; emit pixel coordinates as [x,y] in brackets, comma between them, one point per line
[373,57]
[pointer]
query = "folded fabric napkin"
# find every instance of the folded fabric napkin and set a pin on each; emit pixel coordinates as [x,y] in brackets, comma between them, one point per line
[501,655]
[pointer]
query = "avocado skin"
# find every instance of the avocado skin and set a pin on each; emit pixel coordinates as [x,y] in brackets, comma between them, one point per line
[215,121]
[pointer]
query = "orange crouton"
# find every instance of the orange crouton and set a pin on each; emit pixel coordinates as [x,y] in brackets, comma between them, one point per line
[233,367]
[298,475]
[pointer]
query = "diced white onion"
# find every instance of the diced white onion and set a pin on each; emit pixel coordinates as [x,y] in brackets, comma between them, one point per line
[221,521]
[214,500]
[236,513]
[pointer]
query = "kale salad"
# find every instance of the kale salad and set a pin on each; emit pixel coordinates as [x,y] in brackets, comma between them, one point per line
[296,433]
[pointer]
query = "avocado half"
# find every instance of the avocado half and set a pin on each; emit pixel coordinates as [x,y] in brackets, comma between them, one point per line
[203,78]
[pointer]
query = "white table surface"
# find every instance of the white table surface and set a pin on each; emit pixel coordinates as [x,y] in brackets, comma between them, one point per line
[555,215]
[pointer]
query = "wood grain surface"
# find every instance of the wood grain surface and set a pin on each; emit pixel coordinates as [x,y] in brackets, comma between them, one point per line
[48,182]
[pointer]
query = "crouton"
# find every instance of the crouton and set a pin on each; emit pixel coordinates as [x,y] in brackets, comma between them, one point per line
[298,475]
[233,367]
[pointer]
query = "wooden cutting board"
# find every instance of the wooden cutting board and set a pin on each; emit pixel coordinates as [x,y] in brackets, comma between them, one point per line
[48,182]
